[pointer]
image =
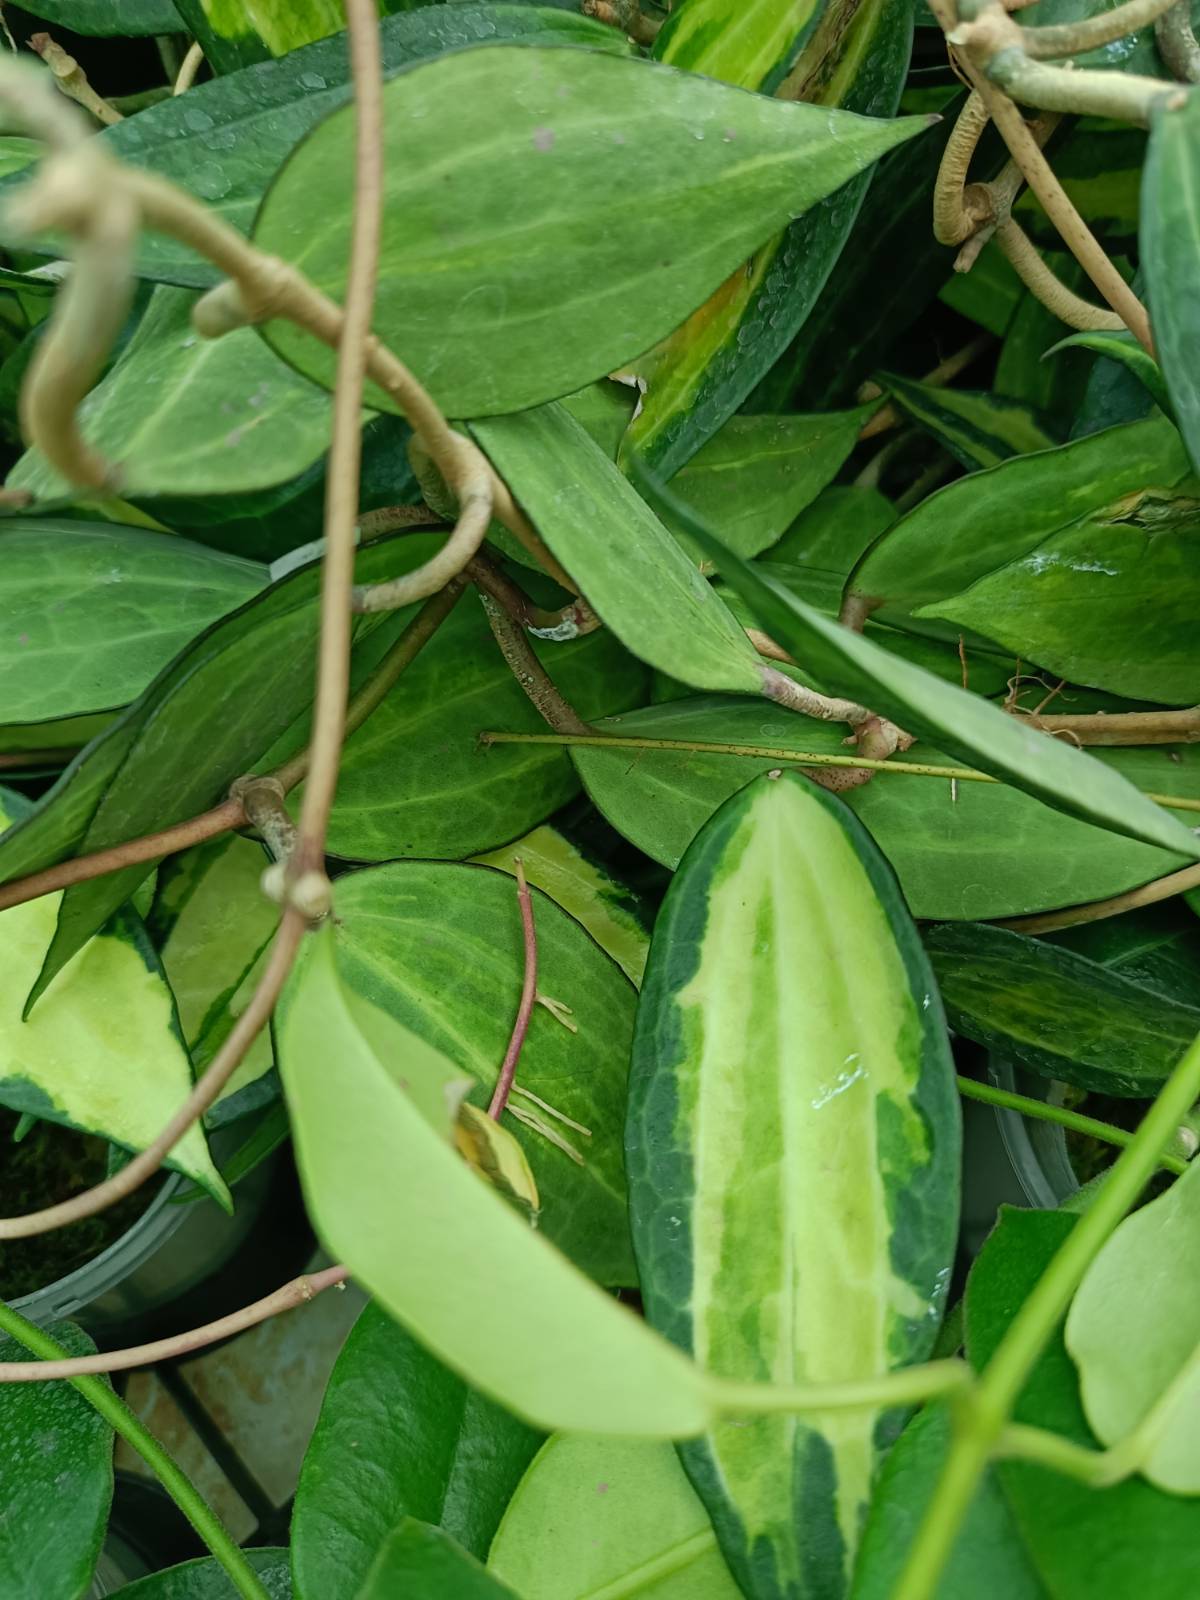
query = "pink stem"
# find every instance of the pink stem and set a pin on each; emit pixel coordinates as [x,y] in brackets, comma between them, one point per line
[508,1070]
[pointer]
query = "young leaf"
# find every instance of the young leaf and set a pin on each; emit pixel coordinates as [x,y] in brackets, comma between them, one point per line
[103,1052]
[586,281]
[444,1254]
[984,850]
[981,430]
[1057,1013]
[1086,1543]
[634,573]
[398,1436]
[208,1580]
[610,912]
[969,728]
[56,1480]
[439,948]
[1170,243]
[761,1250]
[418,1559]
[602,1514]
[1134,1330]
[855,58]
[90,611]
[181,415]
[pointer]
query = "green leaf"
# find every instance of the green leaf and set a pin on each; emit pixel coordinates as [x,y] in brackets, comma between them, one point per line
[1099,164]
[1170,244]
[988,1557]
[91,611]
[971,729]
[855,59]
[636,576]
[1057,1013]
[142,774]
[1157,947]
[443,1253]
[181,415]
[752,47]
[985,521]
[105,17]
[208,1580]
[1087,1544]
[1055,388]
[988,294]
[402,940]
[1137,1301]
[398,1436]
[56,1481]
[715,170]
[834,531]
[608,910]
[980,430]
[447,798]
[212,925]
[597,1515]
[756,1253]
[988,850]
[103,1052]
[415,1553]
[235,33]
[1119,344]
[225,139]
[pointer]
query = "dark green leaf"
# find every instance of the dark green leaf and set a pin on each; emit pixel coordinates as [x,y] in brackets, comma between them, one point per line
[1087,1544]
[981,430]
[118,17]
[988,294]
[398,1436]
[752,47]
[417,1559]
[586,281]
[1120,345]
[1057,1013]
[91,611]
[1170,242]
[208,1580]
[55,1481]
[1157,947]
[834,531]
[755,1253]
[1054,388]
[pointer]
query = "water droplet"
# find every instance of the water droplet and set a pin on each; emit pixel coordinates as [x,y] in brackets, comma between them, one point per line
[311,80]
[198,121]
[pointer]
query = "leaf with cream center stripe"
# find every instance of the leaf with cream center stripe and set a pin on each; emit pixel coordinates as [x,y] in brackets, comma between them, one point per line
[792,1148]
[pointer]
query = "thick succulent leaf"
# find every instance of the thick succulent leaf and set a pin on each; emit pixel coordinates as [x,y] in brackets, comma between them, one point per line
[120,17]
[757,1253]
[856,59]
[610,911]
[413,779]
[985,850]
[636,575]
[403,937]
[90,611]
[141,773]
[971,729]
[1087,1544]
[181,415]
[586,281]
[1170,242]
[444,1254]
[988,1557]
[1005,515]
[56,1481]
[103,1052]
[1057,1013]
[227,138]
[208,1580]
[398,1436]
[1118,344]
[1134,1331]
[416,1554]
[605,1515]
[752,47]
[980,430]
[212,925]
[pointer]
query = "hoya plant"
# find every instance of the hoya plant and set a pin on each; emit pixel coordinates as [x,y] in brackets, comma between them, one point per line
[599,633]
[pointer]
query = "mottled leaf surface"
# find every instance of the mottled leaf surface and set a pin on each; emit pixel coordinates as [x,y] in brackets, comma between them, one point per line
[979,429]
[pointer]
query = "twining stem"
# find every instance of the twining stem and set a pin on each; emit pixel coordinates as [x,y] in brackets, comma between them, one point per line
[1073,38]
[529,672]
[73,80]
[1045,286]
[796,758]
[1148,894]
[297,1293]
[189,67]
[945,372]
[1122,727]
[1028,1106]
[135,1433]
[1177,43]
[909,1386]
[512,1055]
[978,1432]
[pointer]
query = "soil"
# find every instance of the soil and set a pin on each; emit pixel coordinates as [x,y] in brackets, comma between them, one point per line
[49,1164]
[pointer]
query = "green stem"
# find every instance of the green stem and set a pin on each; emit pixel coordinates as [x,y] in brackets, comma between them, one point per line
[768,752]
[122,1420]
[1031,1328]
[909,1386]
[1099,1469]
[1077,1123]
